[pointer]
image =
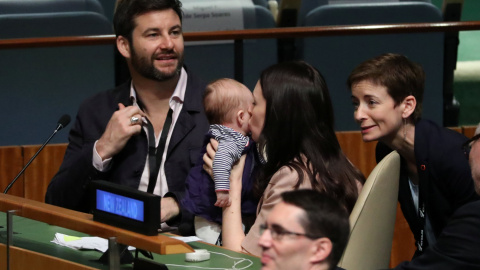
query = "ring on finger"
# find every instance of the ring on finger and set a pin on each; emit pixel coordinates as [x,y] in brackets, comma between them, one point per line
[134,120]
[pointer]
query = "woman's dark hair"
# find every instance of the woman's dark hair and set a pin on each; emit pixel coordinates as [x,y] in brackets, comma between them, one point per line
[127,10]
[299,133]
[397,73]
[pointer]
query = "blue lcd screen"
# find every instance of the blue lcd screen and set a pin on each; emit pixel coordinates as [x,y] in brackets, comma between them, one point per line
[119,205]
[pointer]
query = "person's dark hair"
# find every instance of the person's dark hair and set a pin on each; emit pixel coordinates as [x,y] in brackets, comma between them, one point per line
[324,217]
[298,132]
[127,10]
[397,73]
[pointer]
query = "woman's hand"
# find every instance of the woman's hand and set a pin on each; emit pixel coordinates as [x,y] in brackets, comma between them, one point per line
[236,175]
[209,156]
[232,229]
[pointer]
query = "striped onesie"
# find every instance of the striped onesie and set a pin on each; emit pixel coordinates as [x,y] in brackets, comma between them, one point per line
[231,144]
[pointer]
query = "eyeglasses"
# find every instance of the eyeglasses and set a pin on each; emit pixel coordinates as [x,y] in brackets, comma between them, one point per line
[278,232]
[467,146]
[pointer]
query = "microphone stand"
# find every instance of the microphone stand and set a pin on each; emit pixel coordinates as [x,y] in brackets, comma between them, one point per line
[30,161]
[62,122]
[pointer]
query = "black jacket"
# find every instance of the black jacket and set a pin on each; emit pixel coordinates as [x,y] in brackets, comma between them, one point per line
[69,186]
[457,247]
[445,179]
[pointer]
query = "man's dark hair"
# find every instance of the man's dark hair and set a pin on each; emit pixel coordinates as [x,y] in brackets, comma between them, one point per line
[324,217]
[127,10]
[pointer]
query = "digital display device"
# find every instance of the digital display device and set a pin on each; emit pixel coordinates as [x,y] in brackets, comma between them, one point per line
[125,207]
[120,205]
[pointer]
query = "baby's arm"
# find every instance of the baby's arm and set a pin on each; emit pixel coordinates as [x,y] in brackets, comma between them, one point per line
[222,165]
[227,154]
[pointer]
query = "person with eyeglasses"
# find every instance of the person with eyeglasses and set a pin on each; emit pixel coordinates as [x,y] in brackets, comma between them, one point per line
[458,246]
[435,179]
[474,158]
[306,230]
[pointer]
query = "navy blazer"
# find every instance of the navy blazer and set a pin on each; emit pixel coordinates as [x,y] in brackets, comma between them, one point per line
[457,247]
[69,186]
[445,179]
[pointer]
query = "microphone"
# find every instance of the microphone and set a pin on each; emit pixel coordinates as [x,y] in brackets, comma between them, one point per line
[62,122]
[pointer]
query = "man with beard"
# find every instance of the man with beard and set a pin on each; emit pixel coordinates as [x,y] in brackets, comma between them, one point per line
[146,133]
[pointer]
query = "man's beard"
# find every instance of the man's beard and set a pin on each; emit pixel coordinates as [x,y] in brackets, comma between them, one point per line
[149,71]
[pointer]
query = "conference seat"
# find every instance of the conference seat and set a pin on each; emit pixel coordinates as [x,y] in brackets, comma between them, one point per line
[38,85]
[337,56]
[108,8]
[213,61]
[308,5]
[263,3]
[372,220]
[31,25]
[49,6]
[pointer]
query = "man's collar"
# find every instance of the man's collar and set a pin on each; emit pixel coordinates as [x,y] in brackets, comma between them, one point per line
[177,96]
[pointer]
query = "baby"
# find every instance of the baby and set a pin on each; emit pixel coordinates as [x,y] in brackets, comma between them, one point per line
[227,104]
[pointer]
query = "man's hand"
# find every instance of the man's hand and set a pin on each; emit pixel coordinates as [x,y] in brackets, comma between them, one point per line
[169,209]
[223,198]
[119,130]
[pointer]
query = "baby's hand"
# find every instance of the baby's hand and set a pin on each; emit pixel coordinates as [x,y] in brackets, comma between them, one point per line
[223,198]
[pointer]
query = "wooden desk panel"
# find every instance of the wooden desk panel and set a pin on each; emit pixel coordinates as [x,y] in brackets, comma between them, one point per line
[21,259]
[11,163]
[360,153]
[42,170]
[469,131]
[403,245]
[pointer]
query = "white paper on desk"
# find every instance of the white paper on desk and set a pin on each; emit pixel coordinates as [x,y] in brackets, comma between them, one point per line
[188,238]
[93,243]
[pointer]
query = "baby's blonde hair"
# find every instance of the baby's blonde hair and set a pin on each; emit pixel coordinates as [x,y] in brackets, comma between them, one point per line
[222,99]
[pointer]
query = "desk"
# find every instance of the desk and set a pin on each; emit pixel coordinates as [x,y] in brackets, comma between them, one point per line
[32,246]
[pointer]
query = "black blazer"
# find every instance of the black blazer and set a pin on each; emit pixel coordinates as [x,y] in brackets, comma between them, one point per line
[68,187]
[445,179]
[457,247]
